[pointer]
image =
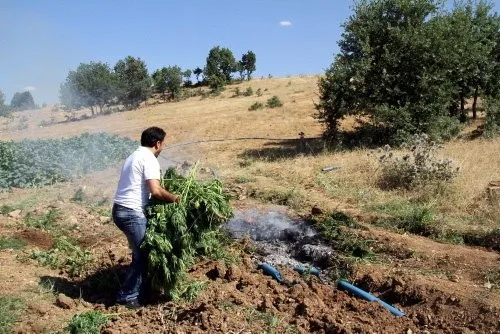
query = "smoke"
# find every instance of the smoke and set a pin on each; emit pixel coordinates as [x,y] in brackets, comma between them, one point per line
[267,226]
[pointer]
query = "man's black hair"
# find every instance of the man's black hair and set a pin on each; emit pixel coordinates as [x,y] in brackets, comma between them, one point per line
[151,136]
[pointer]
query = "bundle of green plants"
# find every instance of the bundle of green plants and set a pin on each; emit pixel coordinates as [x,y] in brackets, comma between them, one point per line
[178,232]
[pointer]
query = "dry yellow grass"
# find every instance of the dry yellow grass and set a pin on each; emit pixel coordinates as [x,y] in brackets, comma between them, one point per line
[274,166]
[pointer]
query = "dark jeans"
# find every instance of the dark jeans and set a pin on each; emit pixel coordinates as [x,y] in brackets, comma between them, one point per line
[133,225]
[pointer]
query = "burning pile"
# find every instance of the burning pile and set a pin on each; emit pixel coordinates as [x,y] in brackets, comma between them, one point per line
[178,232]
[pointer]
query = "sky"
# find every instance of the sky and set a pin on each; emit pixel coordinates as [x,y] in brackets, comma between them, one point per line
[41,41]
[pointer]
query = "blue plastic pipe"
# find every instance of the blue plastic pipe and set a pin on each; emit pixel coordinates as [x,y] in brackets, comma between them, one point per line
[310,270]
[270,271]
[368,296]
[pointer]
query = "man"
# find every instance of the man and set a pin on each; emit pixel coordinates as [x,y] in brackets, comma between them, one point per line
[139,179]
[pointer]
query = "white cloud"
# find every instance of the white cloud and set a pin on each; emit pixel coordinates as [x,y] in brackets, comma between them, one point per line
[28,89]
[285,23]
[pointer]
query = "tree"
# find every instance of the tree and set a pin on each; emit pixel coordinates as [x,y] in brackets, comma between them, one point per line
[187,77]
[4,110]
[168,79]
[248,61]
[91,85]
[197,71]
[470,39]
[22,101]
[69,95]
[391,68]
[220,65]
[159,82]
[134,82]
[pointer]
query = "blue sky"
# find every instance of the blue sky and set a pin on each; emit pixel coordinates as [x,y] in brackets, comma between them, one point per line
[42,40]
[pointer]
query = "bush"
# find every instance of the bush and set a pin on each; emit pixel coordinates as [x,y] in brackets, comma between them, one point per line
[64,255]
[89,322]
[256,106]
[248,92]
[416,168]
[492,125]
[274,102]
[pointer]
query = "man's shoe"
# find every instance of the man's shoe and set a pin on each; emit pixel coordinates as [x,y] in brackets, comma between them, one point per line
[132,304]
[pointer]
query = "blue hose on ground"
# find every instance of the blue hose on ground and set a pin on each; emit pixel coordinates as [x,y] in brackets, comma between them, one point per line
[274,273]
[365,295]
[270,271]
[307,270]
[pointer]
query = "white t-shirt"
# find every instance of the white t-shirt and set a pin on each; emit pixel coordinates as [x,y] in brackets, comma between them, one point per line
[132,191]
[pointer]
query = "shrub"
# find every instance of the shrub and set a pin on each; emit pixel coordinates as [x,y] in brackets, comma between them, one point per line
[248,92]
[64,255]
[274,102]
[492,125]
[414,168]
[89,322]
[256,106]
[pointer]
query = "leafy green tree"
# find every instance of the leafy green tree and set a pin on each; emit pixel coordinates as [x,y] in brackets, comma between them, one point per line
[22,101]
[134,82]
[390,68]
[159,82]
[220,65]
[69,95]
[469,40]
[240,68]
[187,77]
[4,110]
[197,71]
[92,85]
[168,80]
[248,61]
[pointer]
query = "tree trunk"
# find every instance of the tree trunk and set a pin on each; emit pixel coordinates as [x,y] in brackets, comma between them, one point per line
[92,110]
[474,103]
[463,115]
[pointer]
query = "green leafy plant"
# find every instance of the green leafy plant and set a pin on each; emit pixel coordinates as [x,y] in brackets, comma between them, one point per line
[248,92]
[37,163]
[45,222]
[12,243]
[256,106]
[64,255]
[178,232]
[9,312]
[89,322]
[274,102]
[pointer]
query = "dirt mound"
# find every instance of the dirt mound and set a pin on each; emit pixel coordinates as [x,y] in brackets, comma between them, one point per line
[37,238]
[241,299]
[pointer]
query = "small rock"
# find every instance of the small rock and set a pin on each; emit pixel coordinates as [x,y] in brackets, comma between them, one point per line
[72,220]
[316,211]
[409,331]
[65,302]
[15,213]
[488,285]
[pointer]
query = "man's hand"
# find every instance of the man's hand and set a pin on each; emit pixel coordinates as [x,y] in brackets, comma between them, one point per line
[158,192]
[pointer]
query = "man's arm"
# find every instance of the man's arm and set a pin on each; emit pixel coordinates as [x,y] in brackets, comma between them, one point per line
[158,192]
